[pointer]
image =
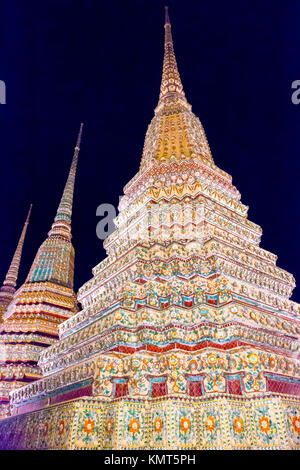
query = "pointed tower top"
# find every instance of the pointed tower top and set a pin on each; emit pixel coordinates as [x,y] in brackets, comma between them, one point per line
[54,261]
[174,132]
[171,97]
[62,222]
[9,285]
[79,137]
[28,215]
[167,19]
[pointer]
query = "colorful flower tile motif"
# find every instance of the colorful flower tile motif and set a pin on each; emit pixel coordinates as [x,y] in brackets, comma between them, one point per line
[43,423]
[45,431]
[62,427]
[87,427]
[266,425]
[184,426]
[159,426]
[216,424]
[239,426]
[210,426]
[133,434]
[291,414]
[295,420]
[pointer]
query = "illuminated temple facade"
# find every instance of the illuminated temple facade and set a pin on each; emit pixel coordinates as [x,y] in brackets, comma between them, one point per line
[187,338]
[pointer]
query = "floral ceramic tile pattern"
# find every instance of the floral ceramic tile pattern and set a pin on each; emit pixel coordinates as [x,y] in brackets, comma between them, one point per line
[133,429]
[184,425]
[45,431]
[62,428]
[159,425]
[269,423]
[211,427]
[291,420]
[239,425]
[266,424]
[87,427]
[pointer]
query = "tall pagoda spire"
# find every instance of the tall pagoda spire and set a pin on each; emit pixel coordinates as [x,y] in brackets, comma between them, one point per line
[62,222]
[8,289]
[55,261]
[171,89]
[175,132]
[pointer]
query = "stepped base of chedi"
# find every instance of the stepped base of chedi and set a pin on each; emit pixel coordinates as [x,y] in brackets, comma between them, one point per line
[187,338]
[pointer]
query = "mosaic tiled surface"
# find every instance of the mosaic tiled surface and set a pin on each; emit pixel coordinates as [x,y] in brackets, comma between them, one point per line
[219,423]
[158,425]
[88,427]
[238,426]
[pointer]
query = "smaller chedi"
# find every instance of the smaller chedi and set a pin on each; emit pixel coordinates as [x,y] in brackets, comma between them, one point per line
[31,315]
[187,337]
[7,293]
[8,288]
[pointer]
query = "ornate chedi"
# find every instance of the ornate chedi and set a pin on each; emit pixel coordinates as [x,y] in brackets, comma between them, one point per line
[8,288]
[44,301]
[187,338]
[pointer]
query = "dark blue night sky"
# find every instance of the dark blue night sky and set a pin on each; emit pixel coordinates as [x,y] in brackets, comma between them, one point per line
[64,62]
